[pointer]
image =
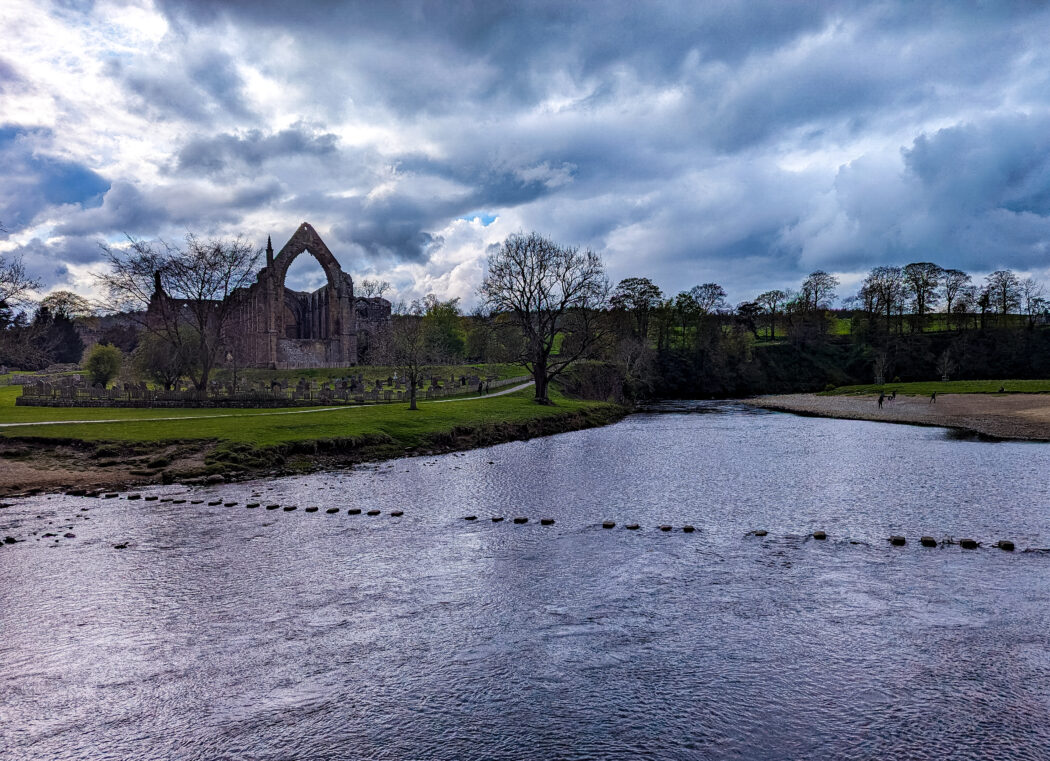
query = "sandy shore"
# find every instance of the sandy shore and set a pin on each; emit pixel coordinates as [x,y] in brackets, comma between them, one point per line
[1004,416]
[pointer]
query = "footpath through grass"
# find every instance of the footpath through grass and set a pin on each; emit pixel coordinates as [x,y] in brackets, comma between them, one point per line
[404,427]
[925,388]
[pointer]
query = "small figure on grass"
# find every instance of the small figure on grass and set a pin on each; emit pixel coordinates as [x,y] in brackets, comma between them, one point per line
[882,398]
[933,398]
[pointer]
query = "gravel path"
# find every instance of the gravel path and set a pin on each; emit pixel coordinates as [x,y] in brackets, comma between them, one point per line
[1004,416]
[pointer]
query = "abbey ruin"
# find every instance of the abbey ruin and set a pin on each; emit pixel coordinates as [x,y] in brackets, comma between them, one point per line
[275,327]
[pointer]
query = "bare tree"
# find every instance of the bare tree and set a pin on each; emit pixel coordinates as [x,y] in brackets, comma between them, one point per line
[15,285]
[818,291]
[410,348]
[372,288]
[921,281]
[709,298]
[1032,301]
[552,291]
[188,293]
[639,297]
[952,283]
[771,301]
[1004,292]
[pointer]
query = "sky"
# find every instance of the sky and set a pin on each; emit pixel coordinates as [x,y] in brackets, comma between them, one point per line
[743,143]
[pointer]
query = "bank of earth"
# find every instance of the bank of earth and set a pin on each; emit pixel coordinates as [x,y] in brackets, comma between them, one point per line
[1023,415]
[219,447]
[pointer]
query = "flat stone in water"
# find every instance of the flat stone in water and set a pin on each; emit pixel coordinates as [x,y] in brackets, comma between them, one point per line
[632,527]
[271,507]
[688,529]
[820,535]
[608,524]
[332,510]
[396,513]
[151,498]
[289,508]
[213,503]
[353,511]
[372,512]
[521,520]
[927,541]
[546,521]
[311,509]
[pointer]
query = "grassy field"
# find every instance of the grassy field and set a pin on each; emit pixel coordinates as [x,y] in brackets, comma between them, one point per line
[258,428]
[371,373]
[925,388]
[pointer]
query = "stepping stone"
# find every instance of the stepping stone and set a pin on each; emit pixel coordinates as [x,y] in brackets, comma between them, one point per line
[819,535]
[111,495]
[898,541]
[134,496]
[396,513]
[927,541]
[272,507]
[354,511]
[632,527]
[213,503]
[546,521]
[196,501]
[252,504]
[289,508]
[151,498]
[968,544]
[332,510]
[470,517]
[372,512]
[229,504]
[311,509]
[178,502]
[688,529]
[519,521]
[497,518]
[665,528]
[1006,545]
[608,524]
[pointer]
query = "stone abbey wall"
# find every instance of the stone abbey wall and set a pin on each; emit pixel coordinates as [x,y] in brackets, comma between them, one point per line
[273,326]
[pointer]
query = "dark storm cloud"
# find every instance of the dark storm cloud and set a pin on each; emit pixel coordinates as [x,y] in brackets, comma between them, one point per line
[214,154]
[124,209]
[34,181]
[744,141]
[48,261]
[199,87]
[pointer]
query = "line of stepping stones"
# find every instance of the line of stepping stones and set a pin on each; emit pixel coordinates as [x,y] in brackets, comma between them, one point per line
[896,540]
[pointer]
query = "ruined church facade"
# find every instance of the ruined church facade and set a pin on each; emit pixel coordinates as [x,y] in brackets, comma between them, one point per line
[272,326]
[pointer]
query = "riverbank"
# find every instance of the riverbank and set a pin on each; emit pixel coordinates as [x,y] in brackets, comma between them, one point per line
[1001,416]
[63,456]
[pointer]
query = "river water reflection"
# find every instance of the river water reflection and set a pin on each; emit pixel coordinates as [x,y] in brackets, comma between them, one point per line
[233,633]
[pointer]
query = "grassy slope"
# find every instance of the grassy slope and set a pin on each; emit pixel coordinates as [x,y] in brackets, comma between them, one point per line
[925,388]
[394,420]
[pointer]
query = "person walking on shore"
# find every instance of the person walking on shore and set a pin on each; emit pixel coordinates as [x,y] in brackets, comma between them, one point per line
[882,398]
[933,398]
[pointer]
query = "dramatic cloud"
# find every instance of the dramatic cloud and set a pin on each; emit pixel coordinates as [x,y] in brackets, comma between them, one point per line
[742,142]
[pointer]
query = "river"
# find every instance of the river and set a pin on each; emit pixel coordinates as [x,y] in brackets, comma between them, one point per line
[223,632]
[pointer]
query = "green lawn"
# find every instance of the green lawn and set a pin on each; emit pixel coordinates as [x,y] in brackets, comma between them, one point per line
[925,388]
[258,428]
[371,373]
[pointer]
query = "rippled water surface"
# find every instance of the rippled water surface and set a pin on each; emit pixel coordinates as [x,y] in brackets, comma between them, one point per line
[232,633]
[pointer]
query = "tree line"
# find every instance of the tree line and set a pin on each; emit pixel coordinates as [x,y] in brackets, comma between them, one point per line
[552,309]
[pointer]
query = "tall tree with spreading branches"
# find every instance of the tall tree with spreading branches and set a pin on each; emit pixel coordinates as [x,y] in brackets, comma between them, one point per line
[552,291]
[188,293]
